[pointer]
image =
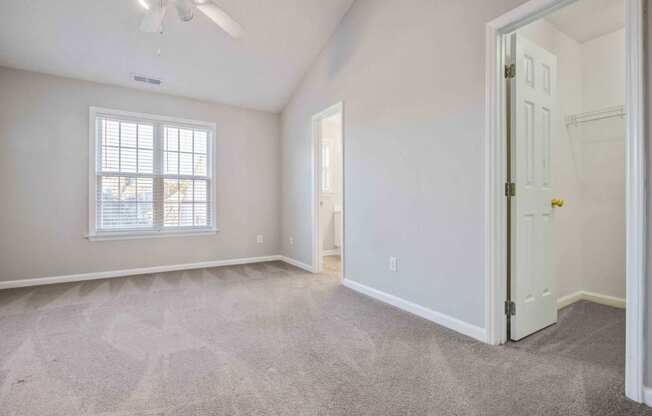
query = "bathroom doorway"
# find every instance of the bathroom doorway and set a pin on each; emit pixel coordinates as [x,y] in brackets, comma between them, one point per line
[329,187]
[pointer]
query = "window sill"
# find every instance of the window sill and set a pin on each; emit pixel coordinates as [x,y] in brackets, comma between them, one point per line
[137,235]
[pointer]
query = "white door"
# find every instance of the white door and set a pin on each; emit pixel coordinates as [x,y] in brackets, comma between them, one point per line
[534,120]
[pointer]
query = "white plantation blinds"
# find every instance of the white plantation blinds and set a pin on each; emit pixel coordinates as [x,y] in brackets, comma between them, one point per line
[185,179]
[151,176]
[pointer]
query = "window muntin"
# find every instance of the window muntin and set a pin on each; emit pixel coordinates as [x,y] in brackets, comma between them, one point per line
[151,176]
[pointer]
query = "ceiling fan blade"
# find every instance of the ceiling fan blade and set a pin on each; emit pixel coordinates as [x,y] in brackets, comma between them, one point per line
[220,18]
[153,20]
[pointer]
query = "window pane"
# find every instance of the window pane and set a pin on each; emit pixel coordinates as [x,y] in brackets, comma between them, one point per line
[145,214]
[185,163]
[127,189]
[185,215]
[109,188]
[171,162]
[185,140]
[171,215]
[200,165]
[110,159]
[111,133]
[201,217]
[185,190]
[128,160]
[201,142]
[325,154]
[128,135]
[111,215]
[145,189]
[171,139]
[145,136]
[145,161]
[125,215]
[171,190]
[201,191]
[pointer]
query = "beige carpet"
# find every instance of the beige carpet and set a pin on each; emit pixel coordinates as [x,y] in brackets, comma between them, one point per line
[270,339]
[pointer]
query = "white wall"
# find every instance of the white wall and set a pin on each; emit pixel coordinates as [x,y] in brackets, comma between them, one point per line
[602,150]
[411,75]
[44,179]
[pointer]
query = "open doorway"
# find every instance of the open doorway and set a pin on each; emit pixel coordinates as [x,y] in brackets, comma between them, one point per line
[329,191]
[566,95]
[565,182]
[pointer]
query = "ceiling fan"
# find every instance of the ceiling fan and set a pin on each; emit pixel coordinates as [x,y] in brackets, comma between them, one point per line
[156,10]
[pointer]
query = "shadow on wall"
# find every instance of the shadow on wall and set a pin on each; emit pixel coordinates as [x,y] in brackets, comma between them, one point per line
[345,42]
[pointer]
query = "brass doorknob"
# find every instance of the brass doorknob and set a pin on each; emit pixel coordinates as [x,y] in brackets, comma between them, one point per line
[557,203]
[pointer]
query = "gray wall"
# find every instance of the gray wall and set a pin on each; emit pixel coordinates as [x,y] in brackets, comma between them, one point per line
[44,179]
[411,75]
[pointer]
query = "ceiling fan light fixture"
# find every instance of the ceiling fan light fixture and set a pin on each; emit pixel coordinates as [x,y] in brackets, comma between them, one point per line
[144,4]
[184,10]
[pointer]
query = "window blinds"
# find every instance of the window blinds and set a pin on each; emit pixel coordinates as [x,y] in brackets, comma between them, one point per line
[152,175]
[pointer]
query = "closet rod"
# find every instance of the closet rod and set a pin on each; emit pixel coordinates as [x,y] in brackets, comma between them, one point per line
[610,112]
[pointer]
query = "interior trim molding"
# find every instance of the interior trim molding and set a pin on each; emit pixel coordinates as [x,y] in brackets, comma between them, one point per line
[134,272]
[315,152]
[495,239]
[439,318]
[647,395]
[297,263]
[591,297]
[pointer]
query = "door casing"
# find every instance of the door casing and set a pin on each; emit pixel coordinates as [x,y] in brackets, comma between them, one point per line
[495,267]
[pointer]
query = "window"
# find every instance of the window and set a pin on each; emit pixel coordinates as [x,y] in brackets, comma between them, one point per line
[151,176]
[326,167]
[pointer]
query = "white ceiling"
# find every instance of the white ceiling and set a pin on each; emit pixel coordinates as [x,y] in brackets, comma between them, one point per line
[99,40]
[585,20]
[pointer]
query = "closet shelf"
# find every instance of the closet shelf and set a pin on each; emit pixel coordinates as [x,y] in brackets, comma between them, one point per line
[609,112]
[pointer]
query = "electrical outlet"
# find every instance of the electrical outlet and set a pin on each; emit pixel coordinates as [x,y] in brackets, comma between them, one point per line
[393,264]
[259,239]
[291,241]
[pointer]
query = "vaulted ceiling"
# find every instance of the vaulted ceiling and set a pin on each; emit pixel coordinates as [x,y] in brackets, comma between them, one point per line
[99,40]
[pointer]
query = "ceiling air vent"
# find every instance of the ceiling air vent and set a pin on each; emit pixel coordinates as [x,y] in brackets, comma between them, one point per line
[146,79]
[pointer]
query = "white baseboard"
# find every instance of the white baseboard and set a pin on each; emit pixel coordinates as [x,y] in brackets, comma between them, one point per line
[647,396]
[132,272]
[591,297]
[296,263]
[436,317]
[564,301]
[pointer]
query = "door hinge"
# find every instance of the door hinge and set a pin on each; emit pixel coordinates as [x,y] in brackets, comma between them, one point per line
[510,189]
[510,71]
[510,308]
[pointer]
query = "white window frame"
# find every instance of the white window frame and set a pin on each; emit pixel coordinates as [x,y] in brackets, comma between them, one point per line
[158,120]
[326,169]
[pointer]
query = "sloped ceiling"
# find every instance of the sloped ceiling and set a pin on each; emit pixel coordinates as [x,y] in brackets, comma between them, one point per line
[99,40]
